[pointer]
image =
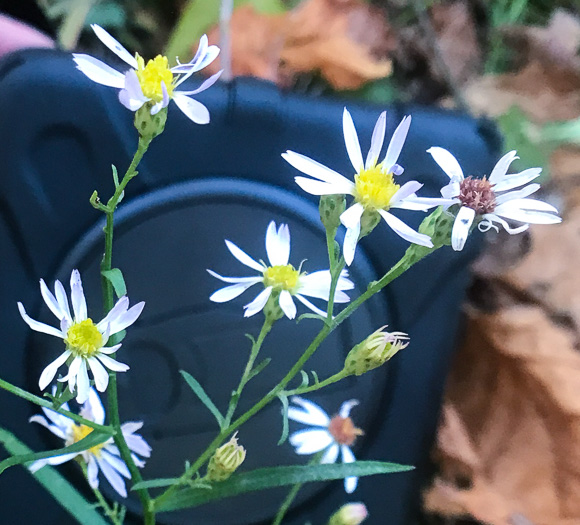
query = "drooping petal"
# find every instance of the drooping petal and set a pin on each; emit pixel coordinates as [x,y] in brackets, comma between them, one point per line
[191,108]
[309,305]
[317,170]
[287,304]
[37,326]
[347,406]
[93,472]
[311,415]
[310,441]
[100,375]
[223,295]
[163,103]
[112,476]
[243,257]
[110,349]
[377,141]
[93,408]
[112,364]
[352,142]
[73,371]
[258,303]
[500,169]
[278,244]
[98,71]
[351,482]
[83,384]
[447,162]
[206,84]
[114,46]
[490,218]
[131,96]
[404,231]
[461,227]
[331,455]
[117,463]
[77,295]
[519,179]
[396,144]
[350,243]
[50,371]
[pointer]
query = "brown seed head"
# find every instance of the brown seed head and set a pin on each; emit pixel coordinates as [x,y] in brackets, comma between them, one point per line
[477,194]
[343,431]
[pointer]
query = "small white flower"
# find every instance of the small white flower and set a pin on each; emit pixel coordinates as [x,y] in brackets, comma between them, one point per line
[280,277]
[85,341]
[104,457]
[491,199]
[374,188]
[152,82]
[333,435]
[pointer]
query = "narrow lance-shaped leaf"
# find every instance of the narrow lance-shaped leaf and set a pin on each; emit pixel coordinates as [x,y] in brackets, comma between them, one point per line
[274,477]
[115,277]
[284,400]
[57,486]
[203,397]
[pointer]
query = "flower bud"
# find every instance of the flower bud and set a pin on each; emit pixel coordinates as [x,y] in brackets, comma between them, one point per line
[374,351]
[349,514]
[368,222]
[272,310]
[331,208]
[438,225]
[149,126]
[225,460]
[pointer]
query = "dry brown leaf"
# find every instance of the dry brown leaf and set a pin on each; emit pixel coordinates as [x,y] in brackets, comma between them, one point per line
[515,393]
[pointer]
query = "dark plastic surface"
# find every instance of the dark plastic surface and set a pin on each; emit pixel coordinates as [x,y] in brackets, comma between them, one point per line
[59,134]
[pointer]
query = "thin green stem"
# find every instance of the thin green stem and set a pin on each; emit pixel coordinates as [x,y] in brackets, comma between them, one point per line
[317,386]
[256,347]
[5,385]
[110,512]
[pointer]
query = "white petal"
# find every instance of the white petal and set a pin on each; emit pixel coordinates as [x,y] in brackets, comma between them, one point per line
[351,482]
[309,305]
[447,162]
[100,375]
[243,257]
[331,455]
[117,463]
[192,109]
[312,414]
[92,472]
[352,142]
[98,71]
[113,477]
[461,227]
[351,217]
[83,384]
[110,349]
[315,187]
[37,326]
[258,303]
[93,408]
[489,220]
[73,371]
[163,103]
[422,203]
[59,460]
[526,205]
[502,166]
[531,216]
[61,297]
[51,301]
[518,194]
[235,280]
[120,308]
[347,406]
[59,420]
[310,441]
[404,231]
[206,84]
[452,190]
[406,190]
[228,293]
[53,428]
[377,141]
[287,304]
[513,181]
[350,243]
[317,170]
[131,96]
[112,364]
[50,371]
[278,244]
[127,318]
[114,46]
[77,295]
[397,143]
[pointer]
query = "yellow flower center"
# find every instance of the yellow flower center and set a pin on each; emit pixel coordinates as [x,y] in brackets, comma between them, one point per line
[152,75]
[82,431]
[374,188]
[281,277]
[84,338]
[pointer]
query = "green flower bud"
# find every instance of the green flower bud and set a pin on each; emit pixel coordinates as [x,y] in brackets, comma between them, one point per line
[374,351]
[368,222]
[225,460]
[149,126]
[438,225]
[349,514]
[272,309]
[331,208]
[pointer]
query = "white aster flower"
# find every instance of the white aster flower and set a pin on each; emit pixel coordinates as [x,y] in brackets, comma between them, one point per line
[104,457]
[490,198]
[85,341]
[280,278]
[333,435]
[374,188]
[153,82]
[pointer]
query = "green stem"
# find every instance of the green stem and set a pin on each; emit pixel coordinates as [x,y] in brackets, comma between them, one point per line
[317,386]
[256,347]
[5,385]
[103,503]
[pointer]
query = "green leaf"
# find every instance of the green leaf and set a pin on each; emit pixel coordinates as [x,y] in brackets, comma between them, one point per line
[57,486]
[156,483]
[259,367]
[284,400]
[311,316]
[305,380]
[93,439]
[266,478]
[203,397]
[115,277]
